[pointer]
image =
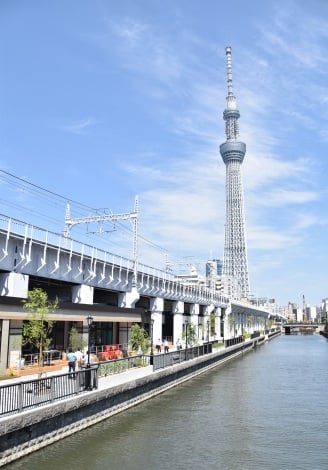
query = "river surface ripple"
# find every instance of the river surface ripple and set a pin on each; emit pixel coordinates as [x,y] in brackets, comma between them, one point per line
[267,410]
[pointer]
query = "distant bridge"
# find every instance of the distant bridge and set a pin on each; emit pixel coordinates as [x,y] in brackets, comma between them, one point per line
[301,326]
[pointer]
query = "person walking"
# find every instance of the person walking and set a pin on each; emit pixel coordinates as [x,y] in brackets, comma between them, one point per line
[178,344]
[159,345]
[71,360]
[166,346]
[88,357]
[78,355]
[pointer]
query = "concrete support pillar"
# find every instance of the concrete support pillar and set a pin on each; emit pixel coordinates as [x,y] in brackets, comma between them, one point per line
[207,322]
[222,320]
[128,299]
[66,335]
[14,285]
[227,321]
[156,308]
[178,311]
[115,333]
[82,294]
[15,343]
[240,323]
[217,314]
[123,334]
[4,342]
[194,319]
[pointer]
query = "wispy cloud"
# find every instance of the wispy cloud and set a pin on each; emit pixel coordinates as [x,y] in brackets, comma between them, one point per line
[81,127]
[129,30]
[174,74]
[187,197]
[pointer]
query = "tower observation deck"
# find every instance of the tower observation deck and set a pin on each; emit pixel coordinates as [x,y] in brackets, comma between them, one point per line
[233,151]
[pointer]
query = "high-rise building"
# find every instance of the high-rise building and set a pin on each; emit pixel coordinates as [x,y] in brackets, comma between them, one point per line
[214,266]
[235,265]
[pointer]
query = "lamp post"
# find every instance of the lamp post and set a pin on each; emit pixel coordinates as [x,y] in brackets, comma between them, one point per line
[89,321]
[88,370]
[151,342]
[186,335]
[208,331]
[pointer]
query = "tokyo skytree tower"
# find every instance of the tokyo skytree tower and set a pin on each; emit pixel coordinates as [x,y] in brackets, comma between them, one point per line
[232,152]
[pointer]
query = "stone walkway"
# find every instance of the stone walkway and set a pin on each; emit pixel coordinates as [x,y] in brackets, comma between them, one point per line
[104,382]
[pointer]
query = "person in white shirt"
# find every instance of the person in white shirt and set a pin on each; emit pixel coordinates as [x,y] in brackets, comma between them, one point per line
[78,355]
[159,345]
[93,358]
[71,360]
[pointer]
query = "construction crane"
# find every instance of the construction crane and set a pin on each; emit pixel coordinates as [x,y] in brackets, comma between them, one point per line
[69,223]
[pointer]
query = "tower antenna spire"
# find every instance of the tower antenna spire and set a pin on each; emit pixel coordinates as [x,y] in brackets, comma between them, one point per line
[235,266]
[231,100]
[231,113]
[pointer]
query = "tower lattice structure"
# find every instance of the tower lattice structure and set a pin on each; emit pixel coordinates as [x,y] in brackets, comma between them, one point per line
[233,151]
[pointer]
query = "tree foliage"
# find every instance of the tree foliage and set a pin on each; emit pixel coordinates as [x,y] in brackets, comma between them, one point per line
[212,323]
[190,334]
[139,338]
[37,329]
[76,339]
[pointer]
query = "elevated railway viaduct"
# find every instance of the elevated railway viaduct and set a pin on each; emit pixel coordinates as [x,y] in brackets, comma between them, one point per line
[116,292]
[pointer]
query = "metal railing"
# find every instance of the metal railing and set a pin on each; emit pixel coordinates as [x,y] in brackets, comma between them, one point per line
[157,278]
[48,357]
[160,361]
[256,334]
[116,366]
[231,341]
[15,398]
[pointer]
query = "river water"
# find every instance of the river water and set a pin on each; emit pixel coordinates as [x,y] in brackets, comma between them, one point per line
[267,411]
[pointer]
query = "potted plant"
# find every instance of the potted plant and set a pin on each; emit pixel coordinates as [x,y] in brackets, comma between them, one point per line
[139,339]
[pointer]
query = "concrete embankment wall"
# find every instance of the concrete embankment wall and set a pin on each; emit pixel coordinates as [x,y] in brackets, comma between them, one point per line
[31,430]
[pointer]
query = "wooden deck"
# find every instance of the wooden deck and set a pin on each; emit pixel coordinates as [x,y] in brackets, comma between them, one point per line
[56,365]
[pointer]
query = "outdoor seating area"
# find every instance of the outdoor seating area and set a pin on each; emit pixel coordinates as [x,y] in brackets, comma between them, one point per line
[110,352]
[33,368]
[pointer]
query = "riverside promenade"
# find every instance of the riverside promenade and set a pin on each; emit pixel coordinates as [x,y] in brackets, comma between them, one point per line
[104,382]
[33,429]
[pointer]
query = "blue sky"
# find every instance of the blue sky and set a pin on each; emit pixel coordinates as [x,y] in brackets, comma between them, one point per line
[101,101]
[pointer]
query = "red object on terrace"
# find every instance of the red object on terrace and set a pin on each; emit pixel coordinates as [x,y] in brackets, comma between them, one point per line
[110,352]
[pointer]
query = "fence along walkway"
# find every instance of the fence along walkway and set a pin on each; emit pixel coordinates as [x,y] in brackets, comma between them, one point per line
[28,394]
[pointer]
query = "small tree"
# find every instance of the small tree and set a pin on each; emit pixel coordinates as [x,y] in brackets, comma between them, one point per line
[75,339]
[212,324]
[261,323]
[249,321]
[37,329]
[139,338]
[232,324]
[190,334]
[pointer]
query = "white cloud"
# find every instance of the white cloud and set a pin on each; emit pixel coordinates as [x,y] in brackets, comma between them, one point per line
[175,75]
[79,127]
[129,29]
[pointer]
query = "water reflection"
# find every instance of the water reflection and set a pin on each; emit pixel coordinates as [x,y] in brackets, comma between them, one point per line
[264,411]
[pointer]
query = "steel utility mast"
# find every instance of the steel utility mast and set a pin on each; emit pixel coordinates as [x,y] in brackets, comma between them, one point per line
[69,223]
